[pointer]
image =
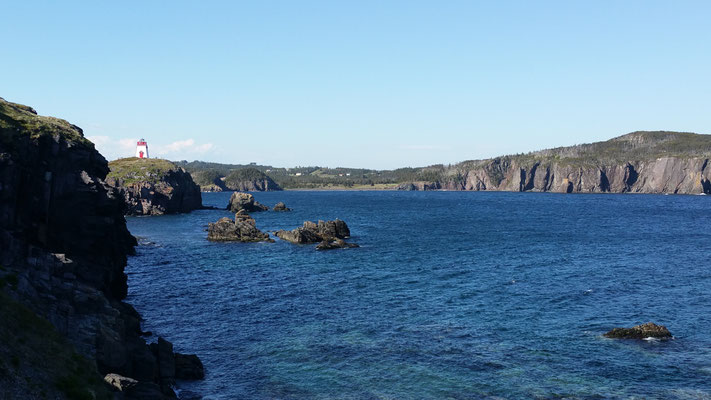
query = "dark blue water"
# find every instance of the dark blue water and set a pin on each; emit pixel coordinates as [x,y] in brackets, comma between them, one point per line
[455,295]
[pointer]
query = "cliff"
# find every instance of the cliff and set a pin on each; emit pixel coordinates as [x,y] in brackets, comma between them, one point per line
[639,162]
[64,246]
[152,186]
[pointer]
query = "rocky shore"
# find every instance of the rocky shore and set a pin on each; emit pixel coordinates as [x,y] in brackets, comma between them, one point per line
[151,186]
[64,249]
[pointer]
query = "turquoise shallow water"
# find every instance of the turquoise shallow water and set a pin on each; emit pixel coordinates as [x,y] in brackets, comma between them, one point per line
[458,295]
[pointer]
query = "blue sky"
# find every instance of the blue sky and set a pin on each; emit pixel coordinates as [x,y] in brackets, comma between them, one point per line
[378,84]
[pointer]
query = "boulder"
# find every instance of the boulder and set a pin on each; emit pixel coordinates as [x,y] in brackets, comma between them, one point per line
[121,383]
[244,201]
[299,235]
[188,366]
[648,330]
[280,206]
[242,229]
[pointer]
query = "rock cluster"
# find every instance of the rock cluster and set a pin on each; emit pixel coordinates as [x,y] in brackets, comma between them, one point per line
[244,201]
[242,229]
[329,234]
[64,239]
[648,330]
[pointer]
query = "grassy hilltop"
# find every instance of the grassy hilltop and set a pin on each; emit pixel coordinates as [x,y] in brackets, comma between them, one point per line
[134,169]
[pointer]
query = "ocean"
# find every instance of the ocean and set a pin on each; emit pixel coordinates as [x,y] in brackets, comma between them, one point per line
[452,295]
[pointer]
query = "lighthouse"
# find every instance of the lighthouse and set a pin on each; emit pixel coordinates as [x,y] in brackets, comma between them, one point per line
[142,149]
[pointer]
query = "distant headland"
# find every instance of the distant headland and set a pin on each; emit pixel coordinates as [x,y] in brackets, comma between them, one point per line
[638,162]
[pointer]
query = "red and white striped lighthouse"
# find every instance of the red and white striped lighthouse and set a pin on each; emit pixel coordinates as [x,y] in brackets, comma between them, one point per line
[142,149]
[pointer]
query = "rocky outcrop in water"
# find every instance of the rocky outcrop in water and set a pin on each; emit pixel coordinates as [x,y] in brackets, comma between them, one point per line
[648,330]
[244,201]
[152,186]
[640,162]
[329,234]
[242,229]
[332,244]
[280,206]
[65,245]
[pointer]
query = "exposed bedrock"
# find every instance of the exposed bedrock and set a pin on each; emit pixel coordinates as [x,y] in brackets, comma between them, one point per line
[663,175]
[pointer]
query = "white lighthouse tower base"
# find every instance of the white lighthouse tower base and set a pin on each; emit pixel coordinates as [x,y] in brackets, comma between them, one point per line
[142,149]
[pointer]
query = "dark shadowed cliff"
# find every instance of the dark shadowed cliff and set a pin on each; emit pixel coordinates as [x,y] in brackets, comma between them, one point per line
[639,162]
[151,186]
[64,244]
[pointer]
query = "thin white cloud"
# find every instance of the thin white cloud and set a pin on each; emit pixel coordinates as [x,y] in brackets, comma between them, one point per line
[112,149]
[126,147]
[184,147]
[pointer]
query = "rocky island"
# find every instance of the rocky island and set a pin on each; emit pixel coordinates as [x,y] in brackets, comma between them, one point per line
[328,234]
[151,186]
[66,331]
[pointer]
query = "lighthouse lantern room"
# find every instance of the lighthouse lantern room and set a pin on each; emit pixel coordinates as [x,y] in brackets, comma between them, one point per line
[142,149]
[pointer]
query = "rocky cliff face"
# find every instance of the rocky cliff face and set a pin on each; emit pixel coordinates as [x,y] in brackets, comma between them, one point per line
[154,186]
[65,243]
[642,162]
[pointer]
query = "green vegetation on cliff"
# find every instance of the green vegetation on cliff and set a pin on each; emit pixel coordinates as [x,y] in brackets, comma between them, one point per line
[34,353]
[17,120]
[133,169]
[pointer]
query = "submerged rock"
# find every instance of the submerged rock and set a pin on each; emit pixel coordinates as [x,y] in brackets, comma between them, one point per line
[244,201]
[648,330]
[242,229]
[280,206]
[329,234]
[335,244]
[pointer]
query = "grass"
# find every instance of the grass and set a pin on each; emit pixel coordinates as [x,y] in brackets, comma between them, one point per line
[133,169]
[40,359]
[18,121]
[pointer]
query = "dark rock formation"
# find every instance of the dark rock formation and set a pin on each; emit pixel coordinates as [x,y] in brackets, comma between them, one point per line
[280,206]
[335,244]
[242,229]
[154,187]
[64,239]
[328,233]
[244,201]
[188,367]
[419,185]
[648,330]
